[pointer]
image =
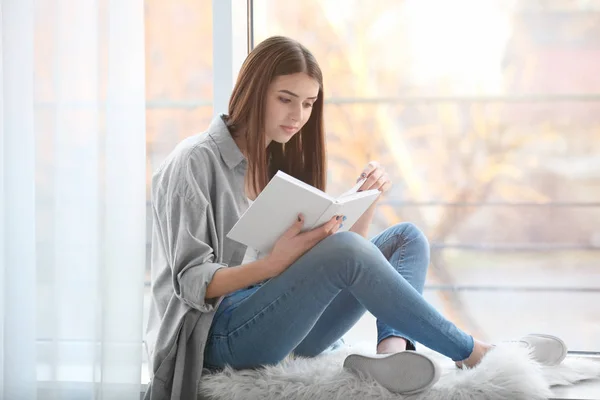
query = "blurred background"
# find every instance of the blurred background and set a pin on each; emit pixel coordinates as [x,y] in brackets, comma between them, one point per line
[485,112]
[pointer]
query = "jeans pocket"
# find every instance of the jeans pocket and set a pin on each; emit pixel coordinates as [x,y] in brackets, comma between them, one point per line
[232,300]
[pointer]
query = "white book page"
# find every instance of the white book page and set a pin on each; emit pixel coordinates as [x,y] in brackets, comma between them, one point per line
[354,206]
[306,186]
[357,195]
[330,212]
[354,188]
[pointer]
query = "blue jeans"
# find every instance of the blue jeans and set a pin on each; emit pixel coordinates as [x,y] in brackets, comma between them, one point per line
[314,302]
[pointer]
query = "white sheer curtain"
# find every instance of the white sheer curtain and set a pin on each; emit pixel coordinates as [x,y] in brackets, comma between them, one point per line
[73,192]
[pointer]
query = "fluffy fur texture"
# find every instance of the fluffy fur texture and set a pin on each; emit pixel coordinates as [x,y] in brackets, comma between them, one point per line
[507,372]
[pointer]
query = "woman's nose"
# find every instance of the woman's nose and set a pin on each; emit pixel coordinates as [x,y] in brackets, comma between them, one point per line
[296,114]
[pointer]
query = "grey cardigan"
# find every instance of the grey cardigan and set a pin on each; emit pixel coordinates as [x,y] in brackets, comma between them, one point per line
[197,196]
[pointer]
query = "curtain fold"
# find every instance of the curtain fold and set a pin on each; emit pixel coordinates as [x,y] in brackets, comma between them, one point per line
[73,192]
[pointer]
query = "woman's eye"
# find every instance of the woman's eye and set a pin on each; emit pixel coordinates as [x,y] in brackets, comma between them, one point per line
[308,105]
[284,100]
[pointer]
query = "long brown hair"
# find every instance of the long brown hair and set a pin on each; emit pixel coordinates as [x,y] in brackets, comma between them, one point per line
[304,156]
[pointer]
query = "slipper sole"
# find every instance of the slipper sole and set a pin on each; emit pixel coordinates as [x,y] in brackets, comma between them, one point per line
[407,372]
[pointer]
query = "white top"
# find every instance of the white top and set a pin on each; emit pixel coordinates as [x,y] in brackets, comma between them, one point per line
[251,254]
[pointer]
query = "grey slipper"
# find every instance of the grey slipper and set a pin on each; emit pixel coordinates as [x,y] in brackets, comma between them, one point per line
[407,372]
[545,349]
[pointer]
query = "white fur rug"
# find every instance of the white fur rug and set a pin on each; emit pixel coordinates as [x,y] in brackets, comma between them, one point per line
[507,372]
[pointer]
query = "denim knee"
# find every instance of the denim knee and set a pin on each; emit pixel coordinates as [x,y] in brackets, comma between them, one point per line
[349,246]
[410,235]
[347,243]
[410,232]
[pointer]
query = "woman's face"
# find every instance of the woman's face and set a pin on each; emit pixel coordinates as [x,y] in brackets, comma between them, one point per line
[289,104]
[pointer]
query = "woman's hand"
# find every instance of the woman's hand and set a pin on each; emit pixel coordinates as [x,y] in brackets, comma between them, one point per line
[376,178]
[294,243]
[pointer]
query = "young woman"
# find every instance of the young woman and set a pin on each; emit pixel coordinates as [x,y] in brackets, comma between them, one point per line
[216,302]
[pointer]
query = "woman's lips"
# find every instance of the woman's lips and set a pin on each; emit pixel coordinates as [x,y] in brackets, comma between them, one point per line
[289,129]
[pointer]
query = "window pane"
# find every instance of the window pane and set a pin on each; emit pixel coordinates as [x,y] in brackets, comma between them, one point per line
[486,115]
[179,82]
[436,47]
[471,151]
[179,89]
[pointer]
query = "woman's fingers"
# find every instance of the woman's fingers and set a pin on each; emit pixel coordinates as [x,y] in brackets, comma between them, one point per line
[319,233]
[371,166]
[383,183]
[386,186]
[296,227]
[374,177]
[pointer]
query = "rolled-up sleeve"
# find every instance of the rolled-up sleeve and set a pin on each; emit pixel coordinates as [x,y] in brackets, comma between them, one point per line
[186,234]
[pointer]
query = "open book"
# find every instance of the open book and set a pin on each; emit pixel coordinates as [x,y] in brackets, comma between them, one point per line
[277,207]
